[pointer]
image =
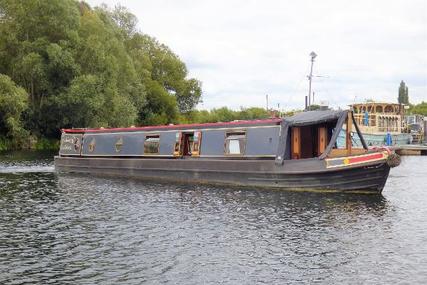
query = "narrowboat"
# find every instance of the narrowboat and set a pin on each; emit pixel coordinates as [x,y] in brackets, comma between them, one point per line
[297,153]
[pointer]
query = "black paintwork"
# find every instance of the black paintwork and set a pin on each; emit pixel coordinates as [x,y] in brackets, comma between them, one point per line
[258,166]
[367,178]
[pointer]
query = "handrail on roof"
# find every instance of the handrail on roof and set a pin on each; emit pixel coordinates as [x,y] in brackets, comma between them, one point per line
[181,126]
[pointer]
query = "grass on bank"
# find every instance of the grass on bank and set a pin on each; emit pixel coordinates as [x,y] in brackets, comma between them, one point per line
[7,144]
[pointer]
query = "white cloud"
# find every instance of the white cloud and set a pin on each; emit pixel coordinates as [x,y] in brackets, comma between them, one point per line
[242,50]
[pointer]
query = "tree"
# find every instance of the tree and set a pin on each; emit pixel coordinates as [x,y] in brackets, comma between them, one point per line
[13,102]
[161,106]
[82,102]
[188,96]
[314,107]
[91,102]
[223,114]
[84,67]
[403,97]
[420,109]
[31,73]
[253,113]
[155,61]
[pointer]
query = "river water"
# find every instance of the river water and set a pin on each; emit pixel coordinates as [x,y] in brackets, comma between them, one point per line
[78,229]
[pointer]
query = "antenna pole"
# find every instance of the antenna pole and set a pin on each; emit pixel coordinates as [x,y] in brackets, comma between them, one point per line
[266,99]
[310,77]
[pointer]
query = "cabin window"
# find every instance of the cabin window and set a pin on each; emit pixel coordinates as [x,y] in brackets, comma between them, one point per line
[152,144]
[340,142]
[388,109]
[235,143]
[356,141]
[348,141]
[372,120]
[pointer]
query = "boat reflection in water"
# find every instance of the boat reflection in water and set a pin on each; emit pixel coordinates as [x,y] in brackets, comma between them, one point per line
[299,153]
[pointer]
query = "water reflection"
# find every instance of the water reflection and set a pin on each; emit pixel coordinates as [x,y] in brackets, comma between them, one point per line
[82,229]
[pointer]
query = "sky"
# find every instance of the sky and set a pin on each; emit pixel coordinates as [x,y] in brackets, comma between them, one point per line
[242,50]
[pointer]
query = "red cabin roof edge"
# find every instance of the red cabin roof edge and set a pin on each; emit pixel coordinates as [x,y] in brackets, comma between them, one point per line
[169,127]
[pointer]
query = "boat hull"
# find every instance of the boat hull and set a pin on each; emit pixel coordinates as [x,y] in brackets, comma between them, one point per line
[366,178]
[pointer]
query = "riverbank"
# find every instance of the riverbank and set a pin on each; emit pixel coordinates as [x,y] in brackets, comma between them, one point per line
[31,143]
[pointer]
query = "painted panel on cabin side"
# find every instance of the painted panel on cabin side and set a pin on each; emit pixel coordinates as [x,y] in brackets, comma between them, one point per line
[167,143]
[70,144]
[128,144]
[212,143]
[113,144]
[262,141]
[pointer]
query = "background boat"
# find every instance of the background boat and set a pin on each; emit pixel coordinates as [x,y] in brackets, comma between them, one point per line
[381,123]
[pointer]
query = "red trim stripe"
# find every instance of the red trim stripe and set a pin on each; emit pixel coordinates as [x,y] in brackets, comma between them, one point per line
[275,121]
[365,158]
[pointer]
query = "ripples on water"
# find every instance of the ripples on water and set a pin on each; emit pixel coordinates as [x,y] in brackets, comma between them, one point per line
[76,229]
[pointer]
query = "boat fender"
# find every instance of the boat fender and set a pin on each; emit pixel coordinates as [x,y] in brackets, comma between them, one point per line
[393,160]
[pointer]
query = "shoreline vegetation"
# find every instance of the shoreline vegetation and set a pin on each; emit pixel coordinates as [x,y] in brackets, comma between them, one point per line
[65,64]
[7,144]
[196,116]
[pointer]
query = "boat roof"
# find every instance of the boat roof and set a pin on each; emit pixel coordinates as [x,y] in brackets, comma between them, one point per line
[314,117]
[232,124]
[375,103]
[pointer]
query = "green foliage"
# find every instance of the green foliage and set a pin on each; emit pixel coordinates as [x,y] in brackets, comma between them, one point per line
[61,66]
[403,97]
[82,103]
[84,67]
[419,109]
[157,62]
[6,144]
[313,107]
[223,115]
[32,19]
[161,107]
[13,102]
[46,144]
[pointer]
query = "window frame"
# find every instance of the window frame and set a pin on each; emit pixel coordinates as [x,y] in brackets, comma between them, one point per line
[227,142]
[151,136]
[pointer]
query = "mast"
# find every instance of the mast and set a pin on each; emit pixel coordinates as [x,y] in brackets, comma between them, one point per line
[310,77]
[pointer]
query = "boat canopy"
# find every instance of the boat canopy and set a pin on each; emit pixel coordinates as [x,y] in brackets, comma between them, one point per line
[312,118]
